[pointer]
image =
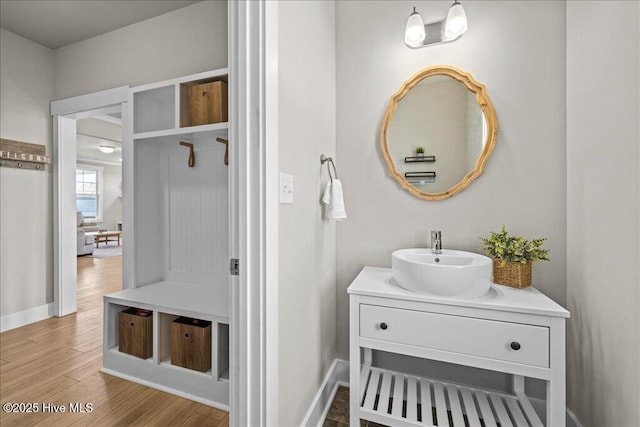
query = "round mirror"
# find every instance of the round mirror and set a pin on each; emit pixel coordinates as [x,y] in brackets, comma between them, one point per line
[438,132]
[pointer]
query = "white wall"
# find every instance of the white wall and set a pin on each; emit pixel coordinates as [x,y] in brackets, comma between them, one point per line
[186,41]
[26,257]
[307,267]
[517,50]
[603,213]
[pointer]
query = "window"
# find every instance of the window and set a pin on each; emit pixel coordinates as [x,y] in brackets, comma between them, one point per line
[89,191]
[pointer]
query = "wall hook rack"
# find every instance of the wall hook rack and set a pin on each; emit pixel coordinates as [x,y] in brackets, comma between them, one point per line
[226,150]
[23,155]
[192,156]
[323,160]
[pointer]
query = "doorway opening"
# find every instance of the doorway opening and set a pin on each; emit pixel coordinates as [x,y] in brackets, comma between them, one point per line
[87,206]
[98,185]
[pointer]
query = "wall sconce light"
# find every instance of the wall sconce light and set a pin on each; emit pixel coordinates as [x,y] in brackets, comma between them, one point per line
[418,34]
[107,149]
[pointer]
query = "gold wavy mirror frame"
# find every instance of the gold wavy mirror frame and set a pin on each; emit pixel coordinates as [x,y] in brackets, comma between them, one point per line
[490,130]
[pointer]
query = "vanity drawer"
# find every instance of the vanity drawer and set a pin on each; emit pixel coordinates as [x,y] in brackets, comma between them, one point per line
[512,342]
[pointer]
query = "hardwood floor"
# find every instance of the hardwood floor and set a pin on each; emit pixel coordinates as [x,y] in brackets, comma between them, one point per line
[57,362]
[338,415]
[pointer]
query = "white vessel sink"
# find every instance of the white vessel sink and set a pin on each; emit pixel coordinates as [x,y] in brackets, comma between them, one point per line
[449,274]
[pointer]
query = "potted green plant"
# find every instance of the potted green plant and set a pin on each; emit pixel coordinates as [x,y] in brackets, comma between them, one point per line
[419,151]
[513,256]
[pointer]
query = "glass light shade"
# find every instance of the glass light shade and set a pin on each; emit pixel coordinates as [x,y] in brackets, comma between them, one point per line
[456,21]
[107,149]
[414,33]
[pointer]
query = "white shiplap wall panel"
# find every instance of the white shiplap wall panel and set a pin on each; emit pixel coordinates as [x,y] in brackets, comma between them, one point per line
[150,218]
[198,215]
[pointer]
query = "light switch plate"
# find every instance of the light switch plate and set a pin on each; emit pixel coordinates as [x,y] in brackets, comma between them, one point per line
[286,189]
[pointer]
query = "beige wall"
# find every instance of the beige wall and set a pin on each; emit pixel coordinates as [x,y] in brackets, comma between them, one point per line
[433,116]
[99,128]
[112,174]
[26,87]
[603,213]
[186,41]
[111,194]
[524,182]
[307,267]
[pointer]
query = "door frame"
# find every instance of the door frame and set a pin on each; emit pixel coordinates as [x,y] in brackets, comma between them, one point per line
[65,112]
[253,116]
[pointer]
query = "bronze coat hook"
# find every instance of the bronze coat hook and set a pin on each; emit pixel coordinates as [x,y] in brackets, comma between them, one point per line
[192,157]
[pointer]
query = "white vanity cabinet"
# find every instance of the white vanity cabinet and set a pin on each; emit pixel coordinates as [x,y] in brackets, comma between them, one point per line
[516,331]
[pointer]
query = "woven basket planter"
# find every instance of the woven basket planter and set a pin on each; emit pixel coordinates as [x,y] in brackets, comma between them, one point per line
[514,274]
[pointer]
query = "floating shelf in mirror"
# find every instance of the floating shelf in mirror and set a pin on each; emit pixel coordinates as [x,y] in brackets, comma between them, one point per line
[420,159]
[446,111]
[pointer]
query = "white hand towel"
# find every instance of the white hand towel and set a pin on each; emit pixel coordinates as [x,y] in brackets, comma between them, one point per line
[326,196]
[337,202]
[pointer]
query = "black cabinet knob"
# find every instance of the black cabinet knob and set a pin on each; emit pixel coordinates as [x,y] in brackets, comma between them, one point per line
[515,345]
[383,326]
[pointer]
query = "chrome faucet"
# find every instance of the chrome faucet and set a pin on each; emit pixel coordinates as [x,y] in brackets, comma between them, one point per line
[436,242]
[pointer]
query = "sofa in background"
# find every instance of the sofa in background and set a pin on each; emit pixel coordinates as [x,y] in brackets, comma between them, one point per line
[85,242]
[85,225]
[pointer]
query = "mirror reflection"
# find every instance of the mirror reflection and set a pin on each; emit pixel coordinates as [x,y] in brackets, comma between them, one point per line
[438,131]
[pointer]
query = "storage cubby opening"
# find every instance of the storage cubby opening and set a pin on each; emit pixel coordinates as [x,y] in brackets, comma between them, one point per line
[453,373]
[164,336]
[196,110]
[223,352]
[181,212]
[154,109]
[113,317]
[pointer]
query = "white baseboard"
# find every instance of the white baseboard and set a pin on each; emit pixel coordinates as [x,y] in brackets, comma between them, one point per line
[25,317]
[338,375]
[165,389]
[572,420]
[540,406]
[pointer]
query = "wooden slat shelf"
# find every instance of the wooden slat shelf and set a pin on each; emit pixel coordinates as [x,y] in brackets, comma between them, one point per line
[398,399]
